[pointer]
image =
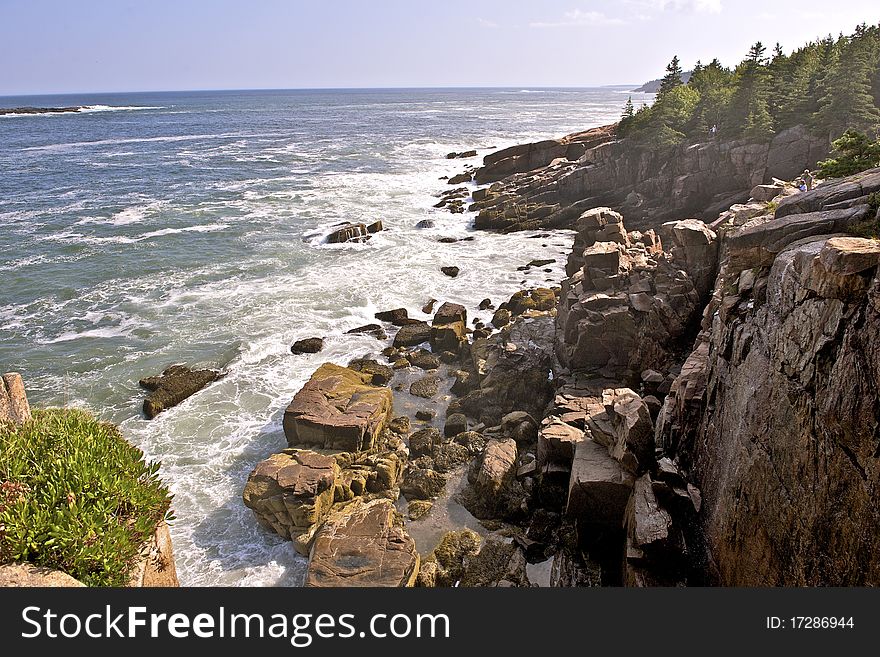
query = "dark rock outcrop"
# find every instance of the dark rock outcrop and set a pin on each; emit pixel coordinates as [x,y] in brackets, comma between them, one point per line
[175,384]
[307,346]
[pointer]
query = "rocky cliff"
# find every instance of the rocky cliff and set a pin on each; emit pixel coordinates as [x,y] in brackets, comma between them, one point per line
[762,466]
[550,183]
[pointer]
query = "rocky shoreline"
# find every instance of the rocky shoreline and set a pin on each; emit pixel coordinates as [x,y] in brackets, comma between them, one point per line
[606,431]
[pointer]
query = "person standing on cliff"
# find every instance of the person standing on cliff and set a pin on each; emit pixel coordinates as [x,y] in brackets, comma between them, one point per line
[808,179]
[713,130]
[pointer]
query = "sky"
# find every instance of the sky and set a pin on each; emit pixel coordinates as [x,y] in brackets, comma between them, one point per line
[79,46]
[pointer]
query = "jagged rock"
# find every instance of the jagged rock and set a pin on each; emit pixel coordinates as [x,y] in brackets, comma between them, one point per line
[307,346]
[411,335]
[773,416]
[463,154]
[450,271]
[425,414]
[425,223]
[846,192]
[14,405]
[428,308]
[633,443]
[349,233]
[418,509]
[599,488]
[474,441]
[291,491]
[398,316]
[338,408]
[363,544]
[494,491]
[485,304]
[380,374]
[557,441]
[375,227]
[467,176]
[176,383]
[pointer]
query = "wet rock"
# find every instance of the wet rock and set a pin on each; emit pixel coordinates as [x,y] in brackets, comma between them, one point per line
[422,442]
[307,346]
[381,374]
[428,308]
[411,335]
[427,387]
[373,329]
[363,544]
[426,414]
[485,304]
[400,425]
[291,491]
[463,154]
[176,383]
[501,318]
[498,563]
[398,316]
[450,271]
[418,509]
[445,566]
[375,227]
[338,408]
[425,223]
[467,176]
[456,423]
[349,232]
[423,359]
[422,483]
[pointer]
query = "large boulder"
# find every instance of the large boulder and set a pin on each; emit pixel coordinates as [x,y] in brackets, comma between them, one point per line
[599,487]
[449,327]
[29,575]
[338,408]
[291,491]
[349,232]
[363,544]
[176,383]
[413,334]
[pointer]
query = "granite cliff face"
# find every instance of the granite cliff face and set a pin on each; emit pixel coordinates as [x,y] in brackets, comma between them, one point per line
[550,183]
[775,414]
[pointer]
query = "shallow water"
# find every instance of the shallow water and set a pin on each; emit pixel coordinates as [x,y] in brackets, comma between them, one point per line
[167,228]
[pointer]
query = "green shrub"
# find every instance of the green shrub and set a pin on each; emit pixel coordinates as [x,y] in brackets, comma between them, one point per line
[853,152]
[75,496]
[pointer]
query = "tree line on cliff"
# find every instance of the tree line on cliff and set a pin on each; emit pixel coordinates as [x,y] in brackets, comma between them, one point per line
[831,85]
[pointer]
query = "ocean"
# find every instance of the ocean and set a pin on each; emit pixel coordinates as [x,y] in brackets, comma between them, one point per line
[160,228]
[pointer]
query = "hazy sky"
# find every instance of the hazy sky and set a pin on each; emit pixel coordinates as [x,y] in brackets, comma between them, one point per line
[57,46]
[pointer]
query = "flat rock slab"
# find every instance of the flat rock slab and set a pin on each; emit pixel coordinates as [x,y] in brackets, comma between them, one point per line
[338,408]
[363,545]
[28,575]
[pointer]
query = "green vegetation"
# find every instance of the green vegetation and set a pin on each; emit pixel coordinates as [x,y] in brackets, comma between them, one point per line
[75,496]
[831,85]
[853,152]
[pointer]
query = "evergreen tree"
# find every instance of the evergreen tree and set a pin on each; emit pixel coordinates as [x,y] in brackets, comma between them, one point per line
[628,109]
[672,79]
[853,152]
[847,101]
[749,114]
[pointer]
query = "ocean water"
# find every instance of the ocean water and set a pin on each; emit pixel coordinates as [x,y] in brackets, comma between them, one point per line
[154,229]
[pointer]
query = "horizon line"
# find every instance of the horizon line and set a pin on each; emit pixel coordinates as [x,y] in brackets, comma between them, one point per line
[369,88]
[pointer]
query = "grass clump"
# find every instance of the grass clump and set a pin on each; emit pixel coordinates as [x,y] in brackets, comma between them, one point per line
[76,496]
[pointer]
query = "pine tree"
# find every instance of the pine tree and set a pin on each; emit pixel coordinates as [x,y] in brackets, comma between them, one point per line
[672,79]
[628,110]
[847,101]
[749,114]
